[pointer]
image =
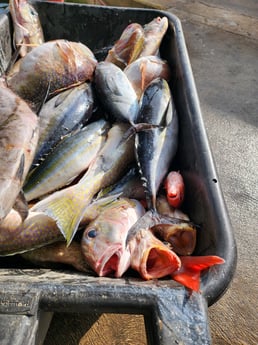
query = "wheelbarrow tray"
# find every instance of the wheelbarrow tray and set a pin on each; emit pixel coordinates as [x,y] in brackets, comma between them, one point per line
[173,314]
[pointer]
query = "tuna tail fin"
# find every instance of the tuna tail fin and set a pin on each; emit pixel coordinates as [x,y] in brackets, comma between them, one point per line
[189,273]
[66,207]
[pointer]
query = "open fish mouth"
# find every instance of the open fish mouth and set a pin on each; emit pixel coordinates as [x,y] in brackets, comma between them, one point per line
[159,262]
[113,263]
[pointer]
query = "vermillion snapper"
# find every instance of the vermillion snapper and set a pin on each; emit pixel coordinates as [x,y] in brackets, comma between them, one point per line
[104,239]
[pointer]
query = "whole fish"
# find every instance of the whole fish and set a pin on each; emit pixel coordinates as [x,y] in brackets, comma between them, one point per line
[39,230]
[145,69]
[28,32]
[64,113]
[154,32]
[116,92]
[189,274]
[58,253]
[67,160]
[18,141]
[150,257]
[156,147]
[50,68]
[104,240]
[128,47]
[67,206]
[175,188]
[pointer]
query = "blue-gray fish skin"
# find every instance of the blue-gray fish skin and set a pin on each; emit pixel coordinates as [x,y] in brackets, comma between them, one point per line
[129,186]
[116,92]
[61,115]
[67,160]
[18,141]
[156,147]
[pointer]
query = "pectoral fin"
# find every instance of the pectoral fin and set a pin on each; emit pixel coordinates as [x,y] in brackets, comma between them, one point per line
[21,205]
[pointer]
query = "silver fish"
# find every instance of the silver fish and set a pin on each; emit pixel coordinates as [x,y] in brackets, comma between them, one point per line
[116,92]
[67,160]
[62,115]
[156,147]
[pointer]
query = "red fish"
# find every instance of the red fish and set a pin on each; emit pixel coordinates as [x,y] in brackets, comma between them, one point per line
[175,188]
[104,239]
[150,257]
[189,274]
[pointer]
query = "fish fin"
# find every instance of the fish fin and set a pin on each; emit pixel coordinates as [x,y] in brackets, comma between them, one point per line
[143,74]
[189,274]
[40,106]
[14,58]
[21,206]
[106,200]
[66,208]
[142,126]
[20,170]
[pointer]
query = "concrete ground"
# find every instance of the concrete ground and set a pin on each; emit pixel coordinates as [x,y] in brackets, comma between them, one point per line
[222,41]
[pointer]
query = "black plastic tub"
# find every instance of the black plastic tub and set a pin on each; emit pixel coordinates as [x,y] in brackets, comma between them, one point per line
[172,315]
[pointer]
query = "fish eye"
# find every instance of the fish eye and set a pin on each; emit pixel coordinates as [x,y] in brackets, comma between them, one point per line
[33,12]
[92,233]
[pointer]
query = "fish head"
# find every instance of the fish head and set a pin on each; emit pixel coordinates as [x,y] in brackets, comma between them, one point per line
[27,27]
[150,257]
[175,189]
[181,236]
[104,239]
[157,26]
[128,47]
[103,249]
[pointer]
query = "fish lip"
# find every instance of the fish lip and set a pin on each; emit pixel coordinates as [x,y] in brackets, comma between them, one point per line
[150,268]
[111,262]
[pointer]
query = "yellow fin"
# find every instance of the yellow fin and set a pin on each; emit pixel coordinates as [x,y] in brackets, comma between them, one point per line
[66,208]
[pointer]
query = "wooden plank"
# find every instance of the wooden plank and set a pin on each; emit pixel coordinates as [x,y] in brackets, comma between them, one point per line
[96,329]
[116,329]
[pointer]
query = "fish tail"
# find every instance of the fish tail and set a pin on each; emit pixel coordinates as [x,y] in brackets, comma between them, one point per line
[66,209]
[189,273]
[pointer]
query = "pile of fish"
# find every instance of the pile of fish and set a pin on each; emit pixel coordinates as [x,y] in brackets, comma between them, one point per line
[86,152]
